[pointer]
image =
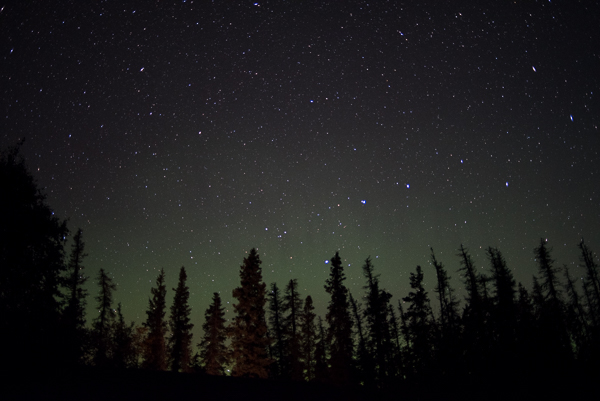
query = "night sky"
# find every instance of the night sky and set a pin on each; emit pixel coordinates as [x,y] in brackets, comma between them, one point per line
[187,132]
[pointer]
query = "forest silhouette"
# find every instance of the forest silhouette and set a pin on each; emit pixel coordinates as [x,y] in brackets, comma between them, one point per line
[497,340]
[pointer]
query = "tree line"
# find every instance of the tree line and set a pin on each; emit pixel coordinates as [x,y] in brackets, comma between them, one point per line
[499,330]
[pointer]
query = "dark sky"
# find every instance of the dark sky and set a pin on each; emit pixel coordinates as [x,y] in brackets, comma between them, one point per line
[187,132]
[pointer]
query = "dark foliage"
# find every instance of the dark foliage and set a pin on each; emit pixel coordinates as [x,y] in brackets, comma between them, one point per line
[213,350]
[155,350]
[32,242]
[74,311]
[339,335]
[248,332]
[180,342]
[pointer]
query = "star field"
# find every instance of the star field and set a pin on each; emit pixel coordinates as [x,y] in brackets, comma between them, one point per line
[187,132]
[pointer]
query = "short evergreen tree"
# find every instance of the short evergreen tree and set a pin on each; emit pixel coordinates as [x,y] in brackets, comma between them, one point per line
[321,353]
[155,355]
[74,312]
[279,348]
[339,335]
[213,350]
[308,339]
[180,342]
[418,325]
[102,326]
[292,308]
[249,340]
[124,353]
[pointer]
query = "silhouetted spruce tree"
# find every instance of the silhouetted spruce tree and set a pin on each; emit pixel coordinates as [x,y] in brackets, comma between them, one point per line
[503,314]
[375,313]
[32,242]
[366,375]
[447,336]
[449,316]
[591,283]
[418,326]
[180,342]
[475,340]
[124,353]
[339,335]
[526,331]
[308,339]
[591,290]
[102,326]
[248,332]
[213,350]
[292,309]
[321,351]
[396,348]
[553,335]
[577,323]
[155,352]
[279,348]
[74,312]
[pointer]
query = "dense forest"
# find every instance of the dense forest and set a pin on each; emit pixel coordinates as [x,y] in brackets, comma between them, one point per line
[499,336]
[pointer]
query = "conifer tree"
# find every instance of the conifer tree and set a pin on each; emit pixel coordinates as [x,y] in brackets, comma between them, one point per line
[363,354]
[376,313]
[308,339]
[339,335]
[418,324]
[213,351]
[180,341]
[292,308]
[32,243]
[448,302]
[504,313]
[475,336]
[549,274]
[591,283]
[155,355]
[124,352]
[74,312]
[553,335]
[249,340]
[396,348]
[279,348]
[576,317]
[103,323]
[321,352]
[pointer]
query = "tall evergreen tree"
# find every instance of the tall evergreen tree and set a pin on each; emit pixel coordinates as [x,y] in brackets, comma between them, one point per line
[339,335]
[249,340]
[376,314]
[155,355]
[418,325]
[308,339]
[103,323]
[280,365]
[180,342]
[475,336]
[74,312]
[292,309]
[504,314]
[448,302]
[32,243]
[213,350]
[553,335]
